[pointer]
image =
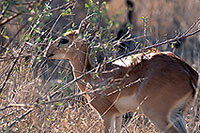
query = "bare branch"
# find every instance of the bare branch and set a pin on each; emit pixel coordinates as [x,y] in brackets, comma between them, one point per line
[9,19]
[20,118]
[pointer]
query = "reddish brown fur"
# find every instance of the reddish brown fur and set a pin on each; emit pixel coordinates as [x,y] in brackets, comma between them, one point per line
[160,83]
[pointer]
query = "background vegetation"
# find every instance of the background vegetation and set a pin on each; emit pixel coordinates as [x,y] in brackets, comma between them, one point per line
[30,83]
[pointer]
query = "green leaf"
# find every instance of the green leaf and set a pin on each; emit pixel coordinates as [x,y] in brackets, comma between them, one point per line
[6,37]
[39,57]
[86,5]
[69,11]
[73,25]
[13,2]
[172,45]
[2,96]
[17,70]
[38,40]
[58,104]
[27,36]
[49,39]
[132,57]
[143,18]
[104,3]
[38,4]
[39,48]
[91,2]
[93,43]
[5,3]
[69,30]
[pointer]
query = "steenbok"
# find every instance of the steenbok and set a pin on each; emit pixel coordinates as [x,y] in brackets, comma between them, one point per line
[161,84]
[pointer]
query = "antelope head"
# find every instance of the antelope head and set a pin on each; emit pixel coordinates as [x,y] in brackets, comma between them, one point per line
[67,46]
[70,44]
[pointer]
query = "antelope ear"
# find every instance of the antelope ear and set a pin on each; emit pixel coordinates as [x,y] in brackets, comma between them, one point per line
[84,25]
[72,35]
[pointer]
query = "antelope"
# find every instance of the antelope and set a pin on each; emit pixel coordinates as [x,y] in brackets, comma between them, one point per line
[159,83]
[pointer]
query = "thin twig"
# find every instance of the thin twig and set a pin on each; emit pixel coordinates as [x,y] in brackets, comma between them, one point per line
[20,118]
[191,27]
[9,19]
[12,58]
[9,73]
[63,6]
[10,41]
[4,11]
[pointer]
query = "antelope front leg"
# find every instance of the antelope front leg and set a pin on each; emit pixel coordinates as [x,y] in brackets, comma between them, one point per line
[109,120]
[112,123]
[118,123]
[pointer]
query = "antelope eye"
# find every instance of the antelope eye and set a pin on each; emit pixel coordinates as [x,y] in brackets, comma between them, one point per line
[63,41]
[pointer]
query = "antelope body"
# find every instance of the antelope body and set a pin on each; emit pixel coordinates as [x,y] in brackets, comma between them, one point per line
[160,83]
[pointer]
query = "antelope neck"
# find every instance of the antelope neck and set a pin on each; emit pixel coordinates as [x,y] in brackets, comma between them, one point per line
[80,62]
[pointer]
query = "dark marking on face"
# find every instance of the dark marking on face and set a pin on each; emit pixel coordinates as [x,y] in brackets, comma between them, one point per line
[63,41]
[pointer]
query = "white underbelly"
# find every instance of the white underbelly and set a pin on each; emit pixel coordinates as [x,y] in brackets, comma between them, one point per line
[127,104]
